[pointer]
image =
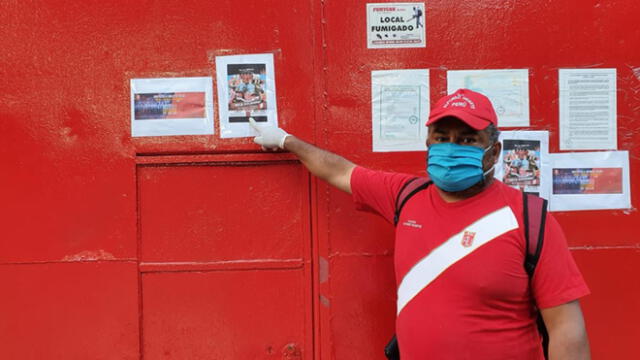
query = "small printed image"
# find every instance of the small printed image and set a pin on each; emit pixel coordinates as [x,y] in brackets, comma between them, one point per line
[521,162]
[587,181]
[247,87]
[172,105]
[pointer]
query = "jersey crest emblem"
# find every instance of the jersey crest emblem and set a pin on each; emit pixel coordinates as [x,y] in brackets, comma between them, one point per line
[467,238]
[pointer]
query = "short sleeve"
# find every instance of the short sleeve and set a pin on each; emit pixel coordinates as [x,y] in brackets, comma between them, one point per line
[376,191]
[556,280]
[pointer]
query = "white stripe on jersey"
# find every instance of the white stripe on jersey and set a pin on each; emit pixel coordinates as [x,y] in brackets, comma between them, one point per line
[451,251]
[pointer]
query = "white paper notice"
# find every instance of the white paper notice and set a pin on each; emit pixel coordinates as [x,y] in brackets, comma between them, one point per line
[524,161]
[172,106]
[587,109]
[399,109]
[507,89]
[395,25]
[246,88]
[590,181]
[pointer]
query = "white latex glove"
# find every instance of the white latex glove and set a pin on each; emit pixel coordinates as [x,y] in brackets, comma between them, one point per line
[270,137]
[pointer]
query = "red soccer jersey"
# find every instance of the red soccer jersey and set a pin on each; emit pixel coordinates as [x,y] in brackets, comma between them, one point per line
[463,292]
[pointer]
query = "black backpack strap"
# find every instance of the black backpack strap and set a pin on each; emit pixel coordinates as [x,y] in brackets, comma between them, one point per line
[392,351]
[535,214]
[409,189]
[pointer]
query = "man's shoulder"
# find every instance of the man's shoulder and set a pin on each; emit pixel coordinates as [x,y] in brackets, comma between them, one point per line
[500,194]
[377,190]
[507,190]
[373,173]
[363,177]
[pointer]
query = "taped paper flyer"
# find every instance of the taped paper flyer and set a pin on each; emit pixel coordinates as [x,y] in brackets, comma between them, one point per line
[507,89]
[524,161]
[395,25]
[399,110]
[590,181]
[246,88]
[172,106]
[588,109]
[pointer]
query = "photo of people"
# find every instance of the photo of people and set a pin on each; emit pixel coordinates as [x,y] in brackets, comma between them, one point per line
[521,163]
[247,87]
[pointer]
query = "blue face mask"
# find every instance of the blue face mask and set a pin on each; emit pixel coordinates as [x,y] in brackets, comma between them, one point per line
[454,167]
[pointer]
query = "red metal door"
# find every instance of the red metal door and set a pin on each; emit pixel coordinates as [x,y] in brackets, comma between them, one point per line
[73,265]
[225,249]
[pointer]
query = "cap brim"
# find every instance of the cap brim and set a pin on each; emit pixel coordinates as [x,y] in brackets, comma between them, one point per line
[473,121]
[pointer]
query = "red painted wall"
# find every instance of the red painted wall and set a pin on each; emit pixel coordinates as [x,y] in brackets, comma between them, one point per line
[80,280]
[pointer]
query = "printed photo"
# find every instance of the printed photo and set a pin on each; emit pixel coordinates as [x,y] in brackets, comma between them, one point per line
[521,163]
[247,87]
[587,181]
[173,105]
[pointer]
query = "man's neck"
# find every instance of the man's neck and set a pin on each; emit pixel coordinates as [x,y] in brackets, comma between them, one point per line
[454,196]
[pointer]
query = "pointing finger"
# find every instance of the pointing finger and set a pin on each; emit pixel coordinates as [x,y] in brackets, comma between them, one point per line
[253,124]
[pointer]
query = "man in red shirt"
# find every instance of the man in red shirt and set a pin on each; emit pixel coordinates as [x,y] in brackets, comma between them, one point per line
[463,292]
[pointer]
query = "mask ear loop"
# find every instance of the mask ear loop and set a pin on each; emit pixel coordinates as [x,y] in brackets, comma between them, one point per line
[484,174]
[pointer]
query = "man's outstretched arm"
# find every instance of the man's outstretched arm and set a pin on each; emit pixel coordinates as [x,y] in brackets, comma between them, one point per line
[328,166]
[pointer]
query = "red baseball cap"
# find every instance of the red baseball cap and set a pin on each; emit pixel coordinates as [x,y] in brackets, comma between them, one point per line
[469,106]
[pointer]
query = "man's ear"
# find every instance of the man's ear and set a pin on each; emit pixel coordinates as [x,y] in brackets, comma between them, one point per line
[495,151]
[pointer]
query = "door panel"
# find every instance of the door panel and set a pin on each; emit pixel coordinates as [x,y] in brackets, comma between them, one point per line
[252,314]
[225,250]
[223,212]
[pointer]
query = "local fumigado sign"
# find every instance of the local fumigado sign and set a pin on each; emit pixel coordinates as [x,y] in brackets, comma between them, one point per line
[395,25]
